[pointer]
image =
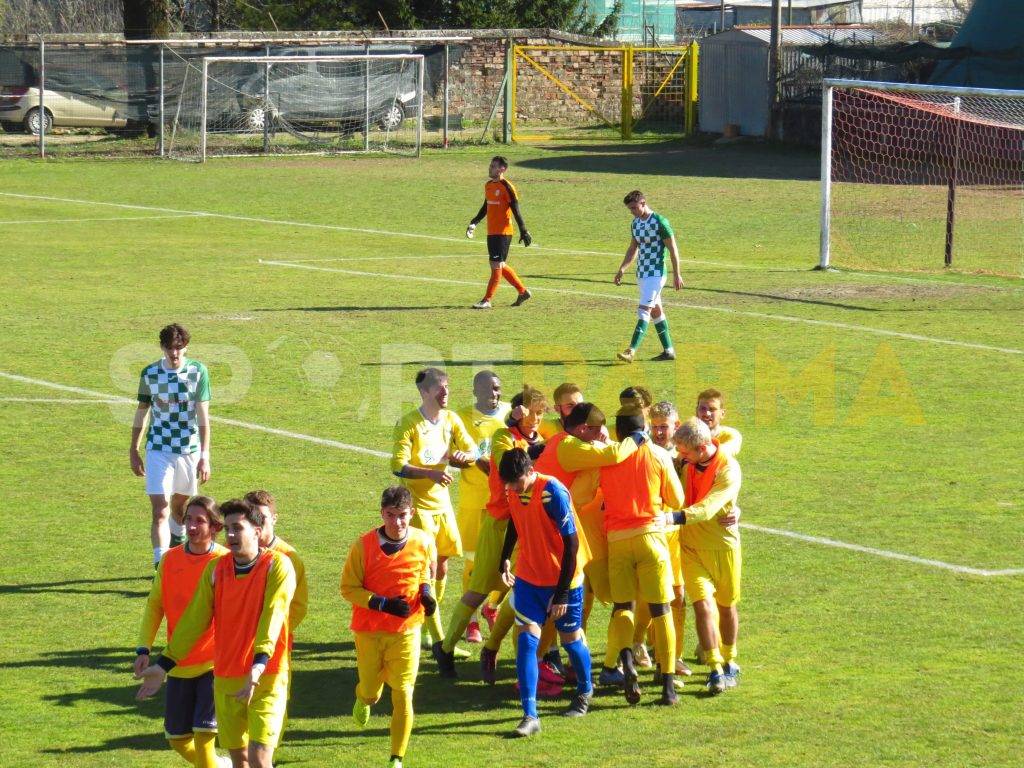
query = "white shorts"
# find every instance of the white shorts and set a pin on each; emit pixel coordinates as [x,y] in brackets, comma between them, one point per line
[171,473]
[650,289]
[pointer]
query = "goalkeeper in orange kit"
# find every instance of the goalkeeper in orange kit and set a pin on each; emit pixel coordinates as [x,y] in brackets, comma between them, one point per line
[501,203]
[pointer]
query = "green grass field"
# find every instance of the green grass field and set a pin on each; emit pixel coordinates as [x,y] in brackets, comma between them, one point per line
[880,410]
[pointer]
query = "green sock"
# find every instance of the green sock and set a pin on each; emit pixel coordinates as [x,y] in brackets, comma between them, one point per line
[638,334]
[662,328]
[457,625]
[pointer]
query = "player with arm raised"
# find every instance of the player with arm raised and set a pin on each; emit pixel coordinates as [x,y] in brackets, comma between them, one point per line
[501,203]
[651,237]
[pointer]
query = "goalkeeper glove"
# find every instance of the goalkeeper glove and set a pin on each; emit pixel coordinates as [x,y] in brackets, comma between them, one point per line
[470,230]
[525,239]
[427,600]
[396,606]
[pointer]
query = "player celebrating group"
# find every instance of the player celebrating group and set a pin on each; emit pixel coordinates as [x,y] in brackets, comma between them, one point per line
[651,237]
[501,203]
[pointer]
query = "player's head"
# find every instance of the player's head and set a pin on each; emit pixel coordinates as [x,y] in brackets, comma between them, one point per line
[497,167]
[433,386]
[636,202]
[203,521]
[265,503]
[243,524]
[174,341]
[535,403]
[640,397]
[585,421]
[664,422]
[487,390]
[516,470]
[396,511]
[630,418]
[711,409]
[693,441]
[566,397]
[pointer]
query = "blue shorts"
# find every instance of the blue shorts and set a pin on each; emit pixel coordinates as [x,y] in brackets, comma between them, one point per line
[188,706]
[532,605]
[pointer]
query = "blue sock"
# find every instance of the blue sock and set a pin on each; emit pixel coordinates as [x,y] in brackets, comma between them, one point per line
[527,672]
[579,657]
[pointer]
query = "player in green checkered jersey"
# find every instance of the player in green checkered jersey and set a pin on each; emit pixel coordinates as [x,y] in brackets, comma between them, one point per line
[174,395]
[652,236]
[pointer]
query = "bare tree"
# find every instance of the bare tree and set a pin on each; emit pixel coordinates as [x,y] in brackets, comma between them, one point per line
[33,17]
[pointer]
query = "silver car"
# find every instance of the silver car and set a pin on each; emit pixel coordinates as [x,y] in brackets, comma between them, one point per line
[82,100]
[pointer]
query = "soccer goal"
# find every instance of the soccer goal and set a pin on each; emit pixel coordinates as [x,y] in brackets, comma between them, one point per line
[922,178]
[243,105]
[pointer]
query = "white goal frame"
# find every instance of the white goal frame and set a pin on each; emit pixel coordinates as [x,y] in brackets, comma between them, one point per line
[828,88]
[269,61]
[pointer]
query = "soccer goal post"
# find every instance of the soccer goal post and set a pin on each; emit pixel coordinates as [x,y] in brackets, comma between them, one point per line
[243,105]
[921,177]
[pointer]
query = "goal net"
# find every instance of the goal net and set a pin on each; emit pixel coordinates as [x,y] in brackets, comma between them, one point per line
[922,178]
[240,105]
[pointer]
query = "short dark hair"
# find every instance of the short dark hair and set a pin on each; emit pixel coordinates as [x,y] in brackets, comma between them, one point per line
[209,506]
[529,396]
[636,196]
[628,420]
[174,335]
[427,377]
[244,508]
[261,498]
[635,395]
[396,496]
[515,463]
[502,161]
[582,413]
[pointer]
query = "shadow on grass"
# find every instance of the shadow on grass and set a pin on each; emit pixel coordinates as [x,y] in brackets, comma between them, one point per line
[471,363]
[107,659]
[377,308]
[695,158]
[150,742]
[80,587]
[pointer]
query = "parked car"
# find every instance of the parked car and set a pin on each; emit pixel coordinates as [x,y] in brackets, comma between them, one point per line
[73,100]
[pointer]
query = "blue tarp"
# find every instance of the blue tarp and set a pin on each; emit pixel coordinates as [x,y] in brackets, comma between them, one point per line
[992,37]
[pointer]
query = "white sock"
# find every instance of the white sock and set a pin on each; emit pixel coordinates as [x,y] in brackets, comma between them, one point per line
[158,552]
[177,529]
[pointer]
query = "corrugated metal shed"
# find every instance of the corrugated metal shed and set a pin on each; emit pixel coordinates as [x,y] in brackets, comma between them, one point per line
[733,72]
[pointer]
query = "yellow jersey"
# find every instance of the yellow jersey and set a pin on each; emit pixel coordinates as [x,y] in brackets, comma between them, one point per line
[422,443]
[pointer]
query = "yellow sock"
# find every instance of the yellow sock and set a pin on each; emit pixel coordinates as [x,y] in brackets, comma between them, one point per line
[547,638]
[206,754]
[641,620]
[439,589]
[401,720]
[495,598]
[457,624]
[467,572]
[620,631]
[185,747]
[506,617]
[433,625]
[713,658]
[679,624]
[728,653]
[665,643]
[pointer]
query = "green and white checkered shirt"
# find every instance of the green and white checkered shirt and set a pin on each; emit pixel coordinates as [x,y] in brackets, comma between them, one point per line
[172,397]
[651,234]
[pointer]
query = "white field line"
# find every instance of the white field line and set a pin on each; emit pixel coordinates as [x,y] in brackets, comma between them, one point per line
[62,400]
[680,304]
[383,455]
[883,552]
[422,257]
[333,227]
[465,241]
[7,222]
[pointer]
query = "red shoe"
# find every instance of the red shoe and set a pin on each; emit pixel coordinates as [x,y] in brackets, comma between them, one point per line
[546,690]
[550,675]
[490,614]
[473,633]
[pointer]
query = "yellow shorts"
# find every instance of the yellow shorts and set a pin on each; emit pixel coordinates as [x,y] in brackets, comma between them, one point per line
[640,566]
[386,657]
[672,539]
[443,527]
[712,573]
[592,524]
[596,572]
[469,528]
[485,577]
[261,720]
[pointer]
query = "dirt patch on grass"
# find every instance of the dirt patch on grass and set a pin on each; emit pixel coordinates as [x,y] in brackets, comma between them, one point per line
[915,291]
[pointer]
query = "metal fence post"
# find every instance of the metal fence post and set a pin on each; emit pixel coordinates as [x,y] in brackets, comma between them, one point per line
[692,80]
[826,176]
[42,87]
[366,98]
[267,112]
[626,121]
[444,125]
[161,100]
[510,92]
